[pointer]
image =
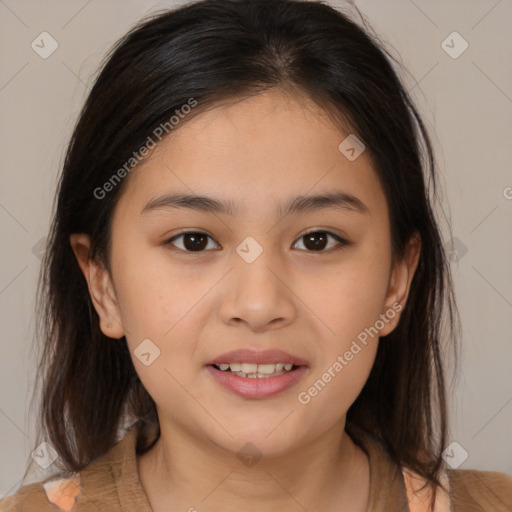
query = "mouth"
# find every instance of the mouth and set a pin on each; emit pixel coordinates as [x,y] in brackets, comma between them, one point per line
[257,375]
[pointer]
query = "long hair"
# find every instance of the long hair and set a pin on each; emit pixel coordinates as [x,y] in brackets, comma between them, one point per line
[216,51]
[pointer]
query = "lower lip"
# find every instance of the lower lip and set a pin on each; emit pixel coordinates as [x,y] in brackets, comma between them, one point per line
[258,387]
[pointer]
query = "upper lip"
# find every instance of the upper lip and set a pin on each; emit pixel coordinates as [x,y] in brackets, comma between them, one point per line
[246,355]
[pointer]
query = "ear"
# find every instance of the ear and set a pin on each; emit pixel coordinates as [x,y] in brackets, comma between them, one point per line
[100,286]
[400,283]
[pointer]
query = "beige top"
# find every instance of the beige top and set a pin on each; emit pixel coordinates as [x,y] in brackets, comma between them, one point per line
[112,484]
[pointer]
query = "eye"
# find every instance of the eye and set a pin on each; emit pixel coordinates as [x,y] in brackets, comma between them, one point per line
[315,241]
[318,241]
[193,241]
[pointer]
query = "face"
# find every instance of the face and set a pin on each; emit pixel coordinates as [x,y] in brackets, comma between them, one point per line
[193,281]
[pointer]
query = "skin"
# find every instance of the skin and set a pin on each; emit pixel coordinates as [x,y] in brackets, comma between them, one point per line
[195,306]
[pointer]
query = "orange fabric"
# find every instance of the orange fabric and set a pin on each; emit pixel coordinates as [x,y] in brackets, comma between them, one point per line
[63,492]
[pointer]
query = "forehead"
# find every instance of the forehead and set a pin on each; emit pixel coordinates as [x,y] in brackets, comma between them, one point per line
[272,144]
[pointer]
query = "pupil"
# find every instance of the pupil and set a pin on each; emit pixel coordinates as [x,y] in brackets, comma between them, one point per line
[198,241]
[310,241]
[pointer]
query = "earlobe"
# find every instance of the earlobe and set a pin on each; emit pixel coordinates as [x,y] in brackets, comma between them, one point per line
[400,283]
[100,287]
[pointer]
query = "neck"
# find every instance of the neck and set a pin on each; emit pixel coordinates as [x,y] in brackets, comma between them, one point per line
[329,473]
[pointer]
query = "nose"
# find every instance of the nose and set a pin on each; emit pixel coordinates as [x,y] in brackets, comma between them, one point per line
[258,294]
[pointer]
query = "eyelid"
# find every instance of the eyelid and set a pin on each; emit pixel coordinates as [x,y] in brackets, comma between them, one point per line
[342,242]
[188,231]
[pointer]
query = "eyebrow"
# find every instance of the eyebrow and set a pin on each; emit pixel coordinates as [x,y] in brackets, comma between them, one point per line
[298,204]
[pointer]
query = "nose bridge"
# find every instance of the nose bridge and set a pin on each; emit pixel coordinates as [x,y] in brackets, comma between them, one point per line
[257,294]
[252,269]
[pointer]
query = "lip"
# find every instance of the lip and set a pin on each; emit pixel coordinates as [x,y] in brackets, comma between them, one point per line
[254,387]
[246,355]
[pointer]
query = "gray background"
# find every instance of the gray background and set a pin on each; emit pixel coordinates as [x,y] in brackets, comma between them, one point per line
[466,102]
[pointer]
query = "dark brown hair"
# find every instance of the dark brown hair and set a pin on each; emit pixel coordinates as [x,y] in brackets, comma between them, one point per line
[215,51]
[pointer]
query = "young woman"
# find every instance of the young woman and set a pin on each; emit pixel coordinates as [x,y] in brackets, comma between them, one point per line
[245,286]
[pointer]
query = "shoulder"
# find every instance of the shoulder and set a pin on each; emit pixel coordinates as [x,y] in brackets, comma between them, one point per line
[63,491]
[473,490]
[468,491]
[53,494]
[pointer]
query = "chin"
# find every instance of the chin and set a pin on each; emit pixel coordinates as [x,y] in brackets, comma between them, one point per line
[260,438]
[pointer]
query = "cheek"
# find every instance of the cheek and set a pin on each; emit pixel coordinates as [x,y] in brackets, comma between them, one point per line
[163,319]
[349,297]
[166,307]
[345,356]
[334,389]
[154,297]
[349,302]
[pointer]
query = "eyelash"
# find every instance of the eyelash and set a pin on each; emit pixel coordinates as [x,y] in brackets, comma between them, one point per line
[341,241]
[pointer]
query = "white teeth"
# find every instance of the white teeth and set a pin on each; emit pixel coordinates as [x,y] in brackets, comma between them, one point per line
[248,368]
[252,370]
[267,368]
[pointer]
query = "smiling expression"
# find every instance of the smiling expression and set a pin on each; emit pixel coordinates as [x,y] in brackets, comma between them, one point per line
[247,228]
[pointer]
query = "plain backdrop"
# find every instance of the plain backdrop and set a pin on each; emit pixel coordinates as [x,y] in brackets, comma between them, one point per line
[466,101]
